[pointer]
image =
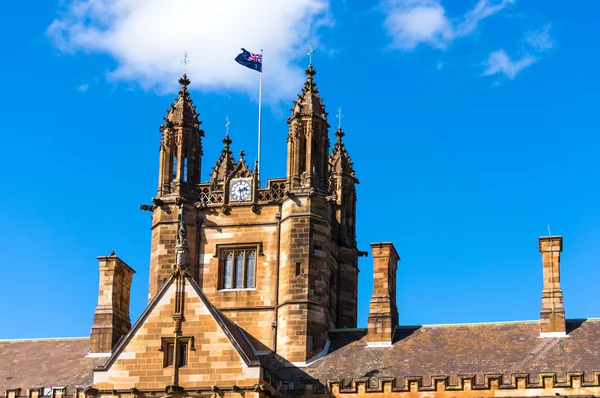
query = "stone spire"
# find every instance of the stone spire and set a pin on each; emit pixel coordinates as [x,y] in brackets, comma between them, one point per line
[340,161]
[226,163]
[182,110]
[309,102]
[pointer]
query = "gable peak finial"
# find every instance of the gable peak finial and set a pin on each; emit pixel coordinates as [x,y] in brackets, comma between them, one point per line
[242,154]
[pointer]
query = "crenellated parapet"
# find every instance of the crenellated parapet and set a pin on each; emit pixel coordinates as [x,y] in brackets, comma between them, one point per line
[486,385]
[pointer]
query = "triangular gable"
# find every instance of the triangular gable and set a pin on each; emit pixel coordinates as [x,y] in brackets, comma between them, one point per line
[216,352]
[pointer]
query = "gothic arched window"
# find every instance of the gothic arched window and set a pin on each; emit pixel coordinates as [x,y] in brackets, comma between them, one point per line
[228,270]
[238,268]
[250,268]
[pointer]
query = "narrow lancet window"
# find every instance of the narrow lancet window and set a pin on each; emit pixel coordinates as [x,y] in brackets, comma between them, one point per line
[174,168]
[228,271]
[239,270]
[250,261]
[185,169]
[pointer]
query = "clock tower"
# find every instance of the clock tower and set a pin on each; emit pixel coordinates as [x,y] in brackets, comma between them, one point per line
[279,260]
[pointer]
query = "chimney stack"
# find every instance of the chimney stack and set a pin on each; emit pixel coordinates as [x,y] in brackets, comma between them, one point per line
[111,319]
[552,316]
[383,313]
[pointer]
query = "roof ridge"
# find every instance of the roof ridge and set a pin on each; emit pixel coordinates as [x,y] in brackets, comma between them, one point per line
[44,338]
[494,323]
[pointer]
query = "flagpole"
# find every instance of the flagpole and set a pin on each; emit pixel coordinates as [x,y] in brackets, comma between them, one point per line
[259,119]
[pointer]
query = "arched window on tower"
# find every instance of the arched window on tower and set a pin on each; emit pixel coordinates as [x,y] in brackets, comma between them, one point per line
[185,169]
[239,270]
[228,271]
[174,168]
[250,261]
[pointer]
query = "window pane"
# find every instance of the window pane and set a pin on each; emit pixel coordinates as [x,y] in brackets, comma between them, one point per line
[228,271]
[170,354]
[250,266]
[182,354]
[174,168]
[185,169]
[239,270]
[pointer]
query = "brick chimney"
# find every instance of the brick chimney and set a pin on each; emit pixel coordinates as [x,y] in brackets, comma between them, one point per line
[383,313]
[552,316]
[111,319]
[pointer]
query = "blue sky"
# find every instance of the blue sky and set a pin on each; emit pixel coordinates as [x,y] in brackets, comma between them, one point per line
[472,125]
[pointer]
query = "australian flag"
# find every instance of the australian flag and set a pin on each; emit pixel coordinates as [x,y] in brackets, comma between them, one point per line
[249,60]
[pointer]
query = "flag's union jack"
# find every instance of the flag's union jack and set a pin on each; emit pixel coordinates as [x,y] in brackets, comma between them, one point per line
[255,57]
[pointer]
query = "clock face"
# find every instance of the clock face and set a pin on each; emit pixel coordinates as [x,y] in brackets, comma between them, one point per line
[240,190]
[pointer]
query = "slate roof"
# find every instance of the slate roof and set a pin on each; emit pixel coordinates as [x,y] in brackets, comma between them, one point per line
[46,363]
[456,350]
[503,349]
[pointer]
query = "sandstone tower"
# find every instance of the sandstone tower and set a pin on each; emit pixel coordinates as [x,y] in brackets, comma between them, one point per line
[281,261]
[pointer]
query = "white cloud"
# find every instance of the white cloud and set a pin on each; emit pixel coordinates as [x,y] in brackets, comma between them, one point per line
[540,39]
[419,22]
[83,87]
[412,22]
[499,62]
[147,39]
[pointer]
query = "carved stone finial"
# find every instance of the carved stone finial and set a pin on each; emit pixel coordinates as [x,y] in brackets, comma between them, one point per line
[184,81]
[227,141]
[242,154]
[310,72]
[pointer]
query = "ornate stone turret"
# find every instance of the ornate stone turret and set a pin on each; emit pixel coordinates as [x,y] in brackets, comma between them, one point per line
[342,184]
[308,144]
[180,147]
[178,178]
